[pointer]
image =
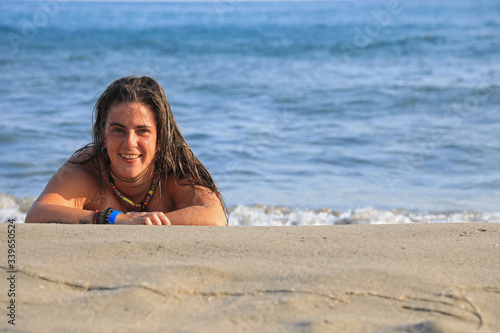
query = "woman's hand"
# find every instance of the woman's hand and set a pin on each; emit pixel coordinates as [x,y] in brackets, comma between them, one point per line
[147,218]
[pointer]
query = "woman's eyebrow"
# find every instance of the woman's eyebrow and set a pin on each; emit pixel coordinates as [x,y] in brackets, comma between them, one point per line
[117,125]
[137,127]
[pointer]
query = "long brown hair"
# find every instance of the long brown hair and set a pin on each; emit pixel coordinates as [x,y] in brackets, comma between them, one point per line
[173,156]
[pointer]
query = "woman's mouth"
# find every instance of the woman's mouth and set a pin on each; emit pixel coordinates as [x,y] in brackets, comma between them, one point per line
[129,157]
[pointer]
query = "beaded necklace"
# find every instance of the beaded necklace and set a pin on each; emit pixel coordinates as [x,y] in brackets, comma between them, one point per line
[142,205]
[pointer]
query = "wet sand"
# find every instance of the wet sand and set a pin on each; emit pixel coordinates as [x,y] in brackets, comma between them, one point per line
[354,278]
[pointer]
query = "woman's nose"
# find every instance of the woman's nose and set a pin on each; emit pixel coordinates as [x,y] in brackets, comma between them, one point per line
[130,140]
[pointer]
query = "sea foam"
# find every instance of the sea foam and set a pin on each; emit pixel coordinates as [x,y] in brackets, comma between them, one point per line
[260,215]
[14,208]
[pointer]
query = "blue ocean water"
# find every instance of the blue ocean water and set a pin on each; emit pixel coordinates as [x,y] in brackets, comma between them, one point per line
[304,112]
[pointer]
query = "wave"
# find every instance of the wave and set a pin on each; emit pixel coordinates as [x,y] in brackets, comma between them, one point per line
[12,207]
[261,215]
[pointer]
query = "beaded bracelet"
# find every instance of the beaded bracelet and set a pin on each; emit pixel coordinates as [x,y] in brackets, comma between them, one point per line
[101,219]
[106,216]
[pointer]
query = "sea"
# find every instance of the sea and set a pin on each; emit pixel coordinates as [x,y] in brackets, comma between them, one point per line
[304,112]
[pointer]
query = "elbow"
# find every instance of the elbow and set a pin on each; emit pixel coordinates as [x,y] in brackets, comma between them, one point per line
[30,217]
[212,221]
[220,223]
[216,220]
[219,218]
[213,217]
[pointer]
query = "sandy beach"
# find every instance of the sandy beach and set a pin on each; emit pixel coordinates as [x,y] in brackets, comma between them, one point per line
[353,278]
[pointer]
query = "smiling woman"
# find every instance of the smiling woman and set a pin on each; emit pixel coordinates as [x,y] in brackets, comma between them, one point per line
[130,139]
[138,170]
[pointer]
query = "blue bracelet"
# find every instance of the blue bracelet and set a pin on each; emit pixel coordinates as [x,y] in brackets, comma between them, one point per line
[112,216]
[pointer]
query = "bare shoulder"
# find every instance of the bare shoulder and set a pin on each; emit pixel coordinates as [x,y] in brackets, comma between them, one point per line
[76,181]
[76,173]
[82,164]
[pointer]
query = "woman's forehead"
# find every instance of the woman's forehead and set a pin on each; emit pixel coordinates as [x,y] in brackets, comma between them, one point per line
[131,113]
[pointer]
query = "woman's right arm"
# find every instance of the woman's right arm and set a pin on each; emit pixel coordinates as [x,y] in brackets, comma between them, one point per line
[64,197]
[68,191]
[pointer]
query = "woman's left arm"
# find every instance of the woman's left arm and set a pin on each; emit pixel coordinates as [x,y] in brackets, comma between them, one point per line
[195,205]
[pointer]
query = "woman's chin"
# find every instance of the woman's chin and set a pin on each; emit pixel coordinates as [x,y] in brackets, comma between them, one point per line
[128,173]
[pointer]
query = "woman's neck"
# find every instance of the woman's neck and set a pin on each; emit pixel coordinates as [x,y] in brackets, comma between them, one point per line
[134,189]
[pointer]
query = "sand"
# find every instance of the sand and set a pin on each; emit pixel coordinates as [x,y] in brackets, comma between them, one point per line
[357,278]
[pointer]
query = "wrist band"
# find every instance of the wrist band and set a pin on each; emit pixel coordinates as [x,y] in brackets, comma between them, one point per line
[112,216]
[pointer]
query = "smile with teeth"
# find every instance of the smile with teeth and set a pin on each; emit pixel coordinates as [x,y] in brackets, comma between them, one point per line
[129,157]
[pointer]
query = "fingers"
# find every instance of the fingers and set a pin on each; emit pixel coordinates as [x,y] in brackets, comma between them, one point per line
[155,218]
[165,220]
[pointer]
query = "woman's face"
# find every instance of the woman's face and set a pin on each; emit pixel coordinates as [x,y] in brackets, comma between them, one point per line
[130,138]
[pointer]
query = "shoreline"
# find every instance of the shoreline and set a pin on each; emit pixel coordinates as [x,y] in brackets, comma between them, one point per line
[369,278]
